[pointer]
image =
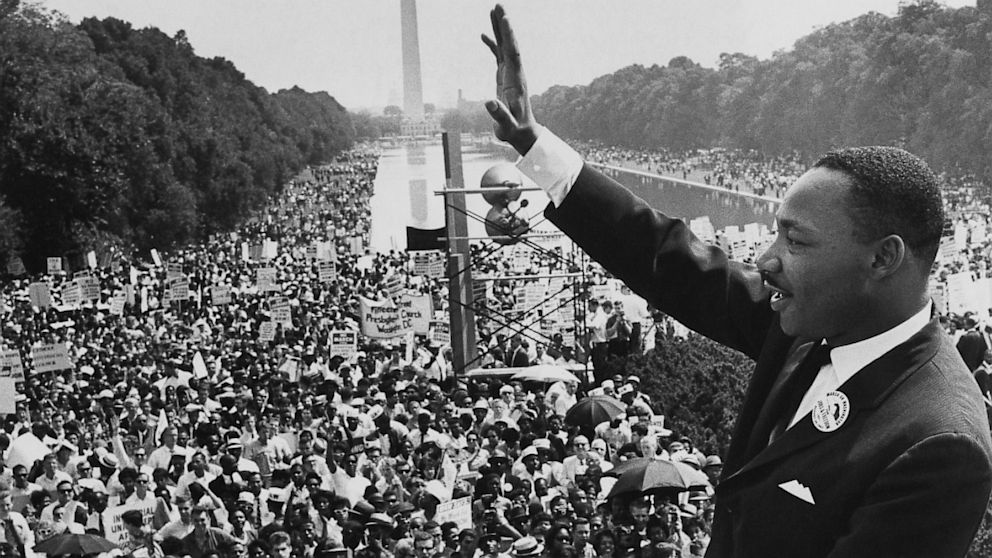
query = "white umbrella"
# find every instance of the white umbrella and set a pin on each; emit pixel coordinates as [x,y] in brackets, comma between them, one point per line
[549,373]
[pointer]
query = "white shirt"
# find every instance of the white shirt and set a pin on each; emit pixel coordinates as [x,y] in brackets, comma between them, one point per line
[847,360]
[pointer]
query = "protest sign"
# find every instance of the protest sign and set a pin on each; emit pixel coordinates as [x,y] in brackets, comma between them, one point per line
[267,331]
[326,272]
[40,295]
[325,251]
[416,312]
[270,249]
[393,284]
[156,258]
[70,294]
[54,266]
[458,511]
[91,259]
[175,269]
[429,263]
[89,289]
[281,311]
[113,522]
[11,365]
[220,294]
[381,320]
[178,288]
[117,303]
[343,343]
[364,263]
[440,333]
[7,394]
[50,358]
[265,279]
[15,266]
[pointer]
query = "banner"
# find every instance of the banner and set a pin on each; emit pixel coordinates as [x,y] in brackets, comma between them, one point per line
[416,312]
[220,294]
[458,511]
[11,365]
[40,295]
[343,343]
[50,358]
[381,321]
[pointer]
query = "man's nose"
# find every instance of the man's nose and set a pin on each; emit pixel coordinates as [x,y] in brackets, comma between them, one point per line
[769,262]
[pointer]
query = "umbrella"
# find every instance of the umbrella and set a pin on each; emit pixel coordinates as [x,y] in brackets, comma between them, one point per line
[546,373]
[493,372]
[644,474]
[694,478]
[73,544]
[593,410]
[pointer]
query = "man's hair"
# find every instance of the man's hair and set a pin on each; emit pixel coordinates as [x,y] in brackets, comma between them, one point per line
[279,537]
[892,192]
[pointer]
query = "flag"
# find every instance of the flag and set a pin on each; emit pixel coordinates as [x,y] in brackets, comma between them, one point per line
[425,239]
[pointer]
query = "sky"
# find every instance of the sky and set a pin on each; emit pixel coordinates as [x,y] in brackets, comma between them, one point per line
[351,48]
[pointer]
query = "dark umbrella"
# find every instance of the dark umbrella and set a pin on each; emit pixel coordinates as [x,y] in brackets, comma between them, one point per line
[73,544]
[593,410]
[643,474]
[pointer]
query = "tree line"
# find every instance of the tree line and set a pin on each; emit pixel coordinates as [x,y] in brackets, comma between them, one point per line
[115,136]
[919,80]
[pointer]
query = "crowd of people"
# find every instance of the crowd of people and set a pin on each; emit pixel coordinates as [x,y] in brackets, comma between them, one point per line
[179,428]
[733,169]
[211,423]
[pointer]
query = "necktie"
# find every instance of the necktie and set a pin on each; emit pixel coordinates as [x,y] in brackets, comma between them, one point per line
[797,385]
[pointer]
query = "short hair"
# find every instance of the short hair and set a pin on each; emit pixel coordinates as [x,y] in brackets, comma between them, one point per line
[279,537]
[892,191]
[133,517]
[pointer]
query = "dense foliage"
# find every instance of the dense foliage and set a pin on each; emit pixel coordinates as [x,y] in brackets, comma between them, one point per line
[111,135]
[920,80]
[696,383]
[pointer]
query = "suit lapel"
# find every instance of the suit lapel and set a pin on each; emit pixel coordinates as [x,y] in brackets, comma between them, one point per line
[865,390]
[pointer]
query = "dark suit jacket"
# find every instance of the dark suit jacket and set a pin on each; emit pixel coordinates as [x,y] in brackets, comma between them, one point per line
[972,347]
[908,474]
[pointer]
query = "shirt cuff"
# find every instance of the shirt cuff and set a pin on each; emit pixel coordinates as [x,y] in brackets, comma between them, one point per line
[552,165]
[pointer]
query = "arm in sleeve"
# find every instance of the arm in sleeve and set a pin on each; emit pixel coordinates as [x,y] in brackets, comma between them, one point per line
[928,502]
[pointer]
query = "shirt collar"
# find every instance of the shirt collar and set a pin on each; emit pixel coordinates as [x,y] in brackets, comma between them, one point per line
[847,360]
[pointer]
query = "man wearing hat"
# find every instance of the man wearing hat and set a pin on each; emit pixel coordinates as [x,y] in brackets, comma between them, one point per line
[235,449]
[526,547]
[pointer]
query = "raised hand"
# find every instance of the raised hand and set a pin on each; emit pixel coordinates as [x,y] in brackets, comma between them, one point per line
[514,121]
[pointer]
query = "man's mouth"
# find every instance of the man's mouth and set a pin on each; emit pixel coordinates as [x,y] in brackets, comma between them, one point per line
[778,295]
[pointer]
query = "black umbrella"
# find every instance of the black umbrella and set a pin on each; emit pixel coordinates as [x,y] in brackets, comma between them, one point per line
[73,544]
[590,411]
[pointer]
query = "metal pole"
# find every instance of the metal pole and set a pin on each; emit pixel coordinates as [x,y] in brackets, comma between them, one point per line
[463,342]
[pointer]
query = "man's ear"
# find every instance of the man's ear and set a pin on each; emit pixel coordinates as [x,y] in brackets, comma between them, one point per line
[888,256]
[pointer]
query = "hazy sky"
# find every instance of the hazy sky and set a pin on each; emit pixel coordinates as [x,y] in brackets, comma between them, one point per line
[351,48]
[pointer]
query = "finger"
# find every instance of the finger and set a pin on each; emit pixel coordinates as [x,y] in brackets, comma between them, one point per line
[492,46]
[498,111]
[494,16]
[507,40]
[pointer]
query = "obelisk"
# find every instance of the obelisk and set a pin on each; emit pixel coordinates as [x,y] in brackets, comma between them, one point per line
[413,92]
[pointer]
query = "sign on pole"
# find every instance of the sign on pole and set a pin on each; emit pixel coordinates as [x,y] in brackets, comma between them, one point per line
[343,343]
[54,266]
[50,358]
[11,365]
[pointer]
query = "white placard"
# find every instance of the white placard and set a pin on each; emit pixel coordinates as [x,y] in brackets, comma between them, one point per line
[343,343]
[49,358]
